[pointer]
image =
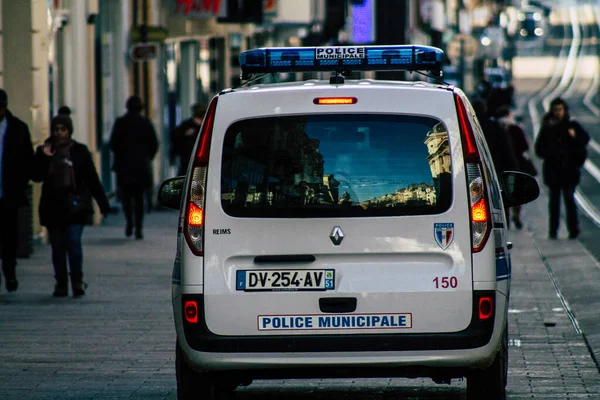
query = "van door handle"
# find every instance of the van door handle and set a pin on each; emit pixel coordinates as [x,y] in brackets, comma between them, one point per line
[285,258]
[337,304]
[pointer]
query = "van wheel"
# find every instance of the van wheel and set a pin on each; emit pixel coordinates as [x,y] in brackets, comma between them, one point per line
[192,385]
[490,383]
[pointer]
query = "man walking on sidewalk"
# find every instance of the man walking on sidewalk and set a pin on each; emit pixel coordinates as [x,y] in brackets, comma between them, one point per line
[134,144]
[16,155]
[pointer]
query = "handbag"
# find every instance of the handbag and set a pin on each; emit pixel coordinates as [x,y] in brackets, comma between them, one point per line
[77,203]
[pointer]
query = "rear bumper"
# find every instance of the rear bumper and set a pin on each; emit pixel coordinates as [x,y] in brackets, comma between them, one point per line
[326,356]
[250,366]
[200,339]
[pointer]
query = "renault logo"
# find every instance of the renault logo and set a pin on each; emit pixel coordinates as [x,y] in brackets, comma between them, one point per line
[336,235]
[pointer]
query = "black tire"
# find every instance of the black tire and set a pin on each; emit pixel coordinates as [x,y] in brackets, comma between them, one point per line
[192,385]
[490,383]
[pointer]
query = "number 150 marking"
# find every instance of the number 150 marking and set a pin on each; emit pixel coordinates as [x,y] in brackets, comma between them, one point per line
[445,282]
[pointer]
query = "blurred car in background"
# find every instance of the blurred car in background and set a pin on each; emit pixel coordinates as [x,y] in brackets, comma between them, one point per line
[499,78]
[492,42]
[532,23]
[544,5]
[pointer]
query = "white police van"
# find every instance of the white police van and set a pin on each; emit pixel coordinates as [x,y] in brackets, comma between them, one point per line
[341,228]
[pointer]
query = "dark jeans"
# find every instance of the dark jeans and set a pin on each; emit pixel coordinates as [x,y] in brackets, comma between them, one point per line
[568,192]
[8,239]
[66,243]
[132,200]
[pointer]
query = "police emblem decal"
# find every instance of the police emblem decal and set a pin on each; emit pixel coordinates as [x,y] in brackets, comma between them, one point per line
[443,234]
[336,236]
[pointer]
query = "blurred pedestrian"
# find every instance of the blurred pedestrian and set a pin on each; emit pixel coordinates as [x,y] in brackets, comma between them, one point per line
[65,111]
[184,137]
[520,146]
[134,144]
[499,98]
[498,142]
[16,154]
[70,181]
[561,144]
[482,91]
[494,95]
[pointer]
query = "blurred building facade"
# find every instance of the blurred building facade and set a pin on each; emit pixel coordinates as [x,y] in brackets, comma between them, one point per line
[91,55]
[172,53]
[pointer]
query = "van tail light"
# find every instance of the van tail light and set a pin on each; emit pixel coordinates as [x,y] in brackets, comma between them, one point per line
[470,150]
[486,307]
[479,210]
[190,311]
[196,200]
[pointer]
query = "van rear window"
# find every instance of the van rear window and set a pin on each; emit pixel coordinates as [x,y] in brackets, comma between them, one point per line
[336,165]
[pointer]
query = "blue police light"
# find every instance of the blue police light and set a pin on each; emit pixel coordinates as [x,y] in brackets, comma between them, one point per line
[341,59]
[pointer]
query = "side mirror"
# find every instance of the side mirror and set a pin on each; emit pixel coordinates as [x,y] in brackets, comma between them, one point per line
[169,194]
[518,188]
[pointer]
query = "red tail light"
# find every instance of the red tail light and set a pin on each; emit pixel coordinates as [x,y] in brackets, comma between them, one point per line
[206,133]
[486,308]
[194,221]
[468,137]
[478,199]
[190,311]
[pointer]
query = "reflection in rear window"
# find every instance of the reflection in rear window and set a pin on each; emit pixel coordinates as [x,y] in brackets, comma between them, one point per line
[336,165]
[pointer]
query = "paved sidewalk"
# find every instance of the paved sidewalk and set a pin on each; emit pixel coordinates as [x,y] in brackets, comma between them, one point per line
[548,357]
[563,279]
[117,342]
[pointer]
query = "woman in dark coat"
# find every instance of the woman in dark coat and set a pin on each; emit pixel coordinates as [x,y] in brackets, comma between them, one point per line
[561,143]
[68,174]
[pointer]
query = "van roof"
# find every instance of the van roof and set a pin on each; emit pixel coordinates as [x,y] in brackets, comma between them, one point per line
[321,84]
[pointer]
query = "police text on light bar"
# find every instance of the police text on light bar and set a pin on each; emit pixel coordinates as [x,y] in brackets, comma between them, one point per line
[333,53]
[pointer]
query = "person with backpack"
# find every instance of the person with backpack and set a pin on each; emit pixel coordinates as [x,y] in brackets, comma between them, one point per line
[69,182]
[561,144]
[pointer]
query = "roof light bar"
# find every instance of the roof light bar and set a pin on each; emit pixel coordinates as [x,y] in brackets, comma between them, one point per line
[341,59]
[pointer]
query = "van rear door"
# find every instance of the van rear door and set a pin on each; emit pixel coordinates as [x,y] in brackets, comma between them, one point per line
[358,201]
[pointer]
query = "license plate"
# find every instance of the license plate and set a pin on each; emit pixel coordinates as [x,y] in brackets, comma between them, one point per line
[289,279]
